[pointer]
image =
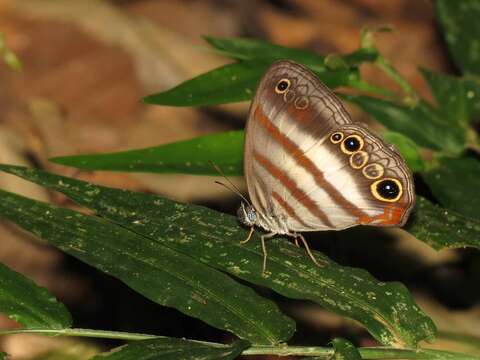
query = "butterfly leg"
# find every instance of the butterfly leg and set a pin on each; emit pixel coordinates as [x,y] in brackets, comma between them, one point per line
[264,249]
[307,249]
[249,236]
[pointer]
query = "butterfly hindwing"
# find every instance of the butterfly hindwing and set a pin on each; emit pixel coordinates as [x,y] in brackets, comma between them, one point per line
[298,177]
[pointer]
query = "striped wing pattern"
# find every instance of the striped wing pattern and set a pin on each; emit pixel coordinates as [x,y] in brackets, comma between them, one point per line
[298,180]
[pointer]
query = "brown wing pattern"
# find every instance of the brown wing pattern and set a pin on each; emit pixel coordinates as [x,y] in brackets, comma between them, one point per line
[299,180]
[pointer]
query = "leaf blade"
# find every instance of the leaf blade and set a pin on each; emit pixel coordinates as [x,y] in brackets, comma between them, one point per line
[152,269]
[193,156]
[29,304]
[454,183]
[236,82]
[230,83]
[291,273]
[443,228]
[459,23]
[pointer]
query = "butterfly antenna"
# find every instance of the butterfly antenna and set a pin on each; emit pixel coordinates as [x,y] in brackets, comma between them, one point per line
[232,186]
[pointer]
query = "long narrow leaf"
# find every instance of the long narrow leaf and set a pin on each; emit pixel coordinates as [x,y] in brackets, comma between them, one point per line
[194,156]
[160,273]
[173,349]
[227,84]
[242,48]
[249,49]
[386,309]
[28,304]
[233,83]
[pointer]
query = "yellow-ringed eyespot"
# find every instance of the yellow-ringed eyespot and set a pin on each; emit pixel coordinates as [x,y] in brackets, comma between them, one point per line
[282,86]
[336,137]
[373,171]
[301,102]
[358,159]
[351,144]
[387,189]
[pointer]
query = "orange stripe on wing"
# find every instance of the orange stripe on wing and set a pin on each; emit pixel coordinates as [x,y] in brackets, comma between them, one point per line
[306,163]
[296,192]
[290,211]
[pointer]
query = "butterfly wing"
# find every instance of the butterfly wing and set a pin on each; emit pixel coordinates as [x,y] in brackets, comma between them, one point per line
[297,179]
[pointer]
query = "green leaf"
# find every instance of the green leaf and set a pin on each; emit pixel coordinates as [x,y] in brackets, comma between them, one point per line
[162,274]
[28,304]
[192,156]
[441,228]
[454,183]
[458,99]
[173,349]
[195,156]
[459,20]
[238,81]
[250,49]
[421,123]
[345,350]
[387,310]
[242,48]
[233,83]
[408,149]
[227,84]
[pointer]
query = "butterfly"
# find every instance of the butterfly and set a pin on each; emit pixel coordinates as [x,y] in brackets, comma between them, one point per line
[308,167]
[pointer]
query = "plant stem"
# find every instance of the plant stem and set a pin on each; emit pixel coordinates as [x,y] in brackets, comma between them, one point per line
[376,90]
[384,65]
[317,352]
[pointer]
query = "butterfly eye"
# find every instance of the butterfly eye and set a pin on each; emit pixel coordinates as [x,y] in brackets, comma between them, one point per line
[388,189]
[351,144]
[373,171]
[336,137]
[282,86]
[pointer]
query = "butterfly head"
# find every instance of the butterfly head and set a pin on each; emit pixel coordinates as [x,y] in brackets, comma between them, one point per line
[247,214]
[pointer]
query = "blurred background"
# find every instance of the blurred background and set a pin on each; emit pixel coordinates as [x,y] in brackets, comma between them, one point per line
[87,63]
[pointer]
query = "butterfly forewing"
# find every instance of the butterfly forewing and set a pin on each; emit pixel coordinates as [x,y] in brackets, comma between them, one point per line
[298,177]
